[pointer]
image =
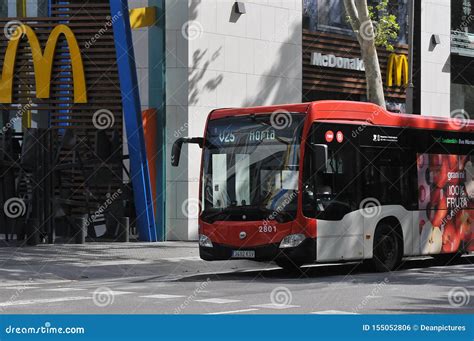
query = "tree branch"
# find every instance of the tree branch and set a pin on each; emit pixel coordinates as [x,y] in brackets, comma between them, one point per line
[353,14]
[363,11]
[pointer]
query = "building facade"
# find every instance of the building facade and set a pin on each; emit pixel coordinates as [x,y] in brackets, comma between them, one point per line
[206,54]
[275,53]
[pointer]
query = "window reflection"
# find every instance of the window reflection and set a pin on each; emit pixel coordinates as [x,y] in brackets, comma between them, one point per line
[330,16]
[21,8]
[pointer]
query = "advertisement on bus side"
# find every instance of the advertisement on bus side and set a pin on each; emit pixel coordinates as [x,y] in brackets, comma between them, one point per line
[446,198]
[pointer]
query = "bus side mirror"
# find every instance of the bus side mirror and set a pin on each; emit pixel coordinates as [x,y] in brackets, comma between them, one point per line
[320,157]
[178,144]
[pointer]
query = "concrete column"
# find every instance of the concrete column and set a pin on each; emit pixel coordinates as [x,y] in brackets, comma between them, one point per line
[435,59]
[217,58]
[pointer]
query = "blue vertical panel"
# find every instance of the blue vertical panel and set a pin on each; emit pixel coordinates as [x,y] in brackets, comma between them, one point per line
[64,75]
[133,120]
[157,68]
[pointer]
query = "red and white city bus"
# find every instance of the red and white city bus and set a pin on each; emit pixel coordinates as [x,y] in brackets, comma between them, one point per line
[334,181]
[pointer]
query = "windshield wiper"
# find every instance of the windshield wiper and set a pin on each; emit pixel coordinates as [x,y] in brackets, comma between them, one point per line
[212,215]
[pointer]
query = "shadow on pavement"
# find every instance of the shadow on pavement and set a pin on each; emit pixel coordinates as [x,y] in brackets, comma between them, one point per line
[324,272]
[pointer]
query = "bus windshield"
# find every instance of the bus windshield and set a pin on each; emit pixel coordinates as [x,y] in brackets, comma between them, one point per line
[251,167]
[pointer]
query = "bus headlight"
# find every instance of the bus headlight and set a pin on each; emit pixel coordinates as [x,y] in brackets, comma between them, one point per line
[204,241]
[292,240]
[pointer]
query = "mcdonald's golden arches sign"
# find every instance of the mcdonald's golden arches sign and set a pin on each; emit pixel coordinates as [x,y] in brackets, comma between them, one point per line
[397,65]
[42,63]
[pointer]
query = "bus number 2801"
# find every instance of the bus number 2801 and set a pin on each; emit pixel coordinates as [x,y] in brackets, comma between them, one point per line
[267,229]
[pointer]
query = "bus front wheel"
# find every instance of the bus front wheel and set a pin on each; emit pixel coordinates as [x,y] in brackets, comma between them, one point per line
[388,248]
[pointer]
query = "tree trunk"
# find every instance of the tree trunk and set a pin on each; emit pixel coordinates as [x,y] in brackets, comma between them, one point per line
[373,74]
[363,28]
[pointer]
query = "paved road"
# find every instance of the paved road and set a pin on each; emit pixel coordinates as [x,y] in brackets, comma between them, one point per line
[139,281]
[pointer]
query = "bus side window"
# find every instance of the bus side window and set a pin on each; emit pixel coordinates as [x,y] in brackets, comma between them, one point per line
[385,177]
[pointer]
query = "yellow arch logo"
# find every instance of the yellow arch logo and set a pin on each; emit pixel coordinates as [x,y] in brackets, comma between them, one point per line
[43,63]
[397,64]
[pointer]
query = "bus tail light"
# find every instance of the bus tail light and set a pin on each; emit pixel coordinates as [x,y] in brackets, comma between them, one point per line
[205,241]
[292,240]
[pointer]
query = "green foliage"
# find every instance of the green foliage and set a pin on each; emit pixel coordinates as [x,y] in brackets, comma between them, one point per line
[385,25]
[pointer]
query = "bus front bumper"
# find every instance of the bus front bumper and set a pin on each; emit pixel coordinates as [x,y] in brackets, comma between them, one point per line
[304,253]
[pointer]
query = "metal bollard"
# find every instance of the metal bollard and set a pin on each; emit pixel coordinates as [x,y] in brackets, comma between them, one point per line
[33,233]
[124,230]
[80,230]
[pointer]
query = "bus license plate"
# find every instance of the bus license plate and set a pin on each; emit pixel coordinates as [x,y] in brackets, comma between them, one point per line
[243,254]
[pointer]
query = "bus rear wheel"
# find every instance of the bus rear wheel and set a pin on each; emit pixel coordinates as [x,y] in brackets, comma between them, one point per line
[388,248]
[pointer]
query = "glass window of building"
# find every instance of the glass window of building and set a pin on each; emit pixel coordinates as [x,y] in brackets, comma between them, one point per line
[3,9]
[330,16]
[23,8]
[462,16]
[325,15]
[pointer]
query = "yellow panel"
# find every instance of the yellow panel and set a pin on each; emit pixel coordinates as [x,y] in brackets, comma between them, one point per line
[21,8]
[142,17]
[43,63]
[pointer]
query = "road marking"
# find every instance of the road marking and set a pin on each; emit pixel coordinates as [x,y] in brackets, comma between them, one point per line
[275,306]
[56,300]
[136,287]
[162,296]
[232,312]
[218,300]
[111,262]
[43,300]
[21,288]
[64,289]
[115,293]
[180,259]
[373,296]
[333,312]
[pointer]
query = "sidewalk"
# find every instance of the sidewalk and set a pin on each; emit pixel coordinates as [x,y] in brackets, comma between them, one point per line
[162,261]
